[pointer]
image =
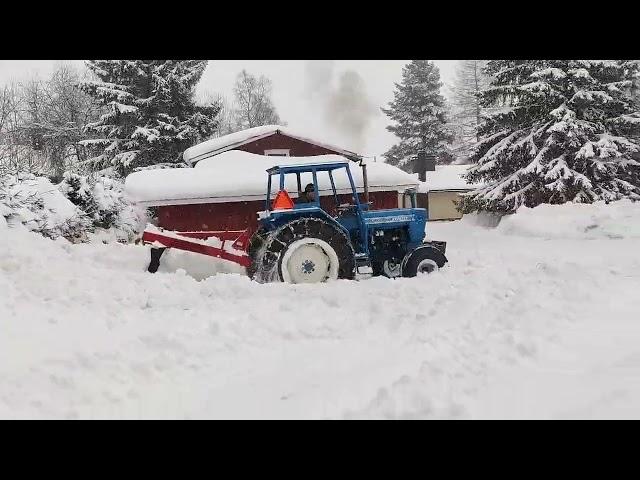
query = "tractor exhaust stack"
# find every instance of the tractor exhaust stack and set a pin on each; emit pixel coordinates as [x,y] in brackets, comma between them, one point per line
[363,164]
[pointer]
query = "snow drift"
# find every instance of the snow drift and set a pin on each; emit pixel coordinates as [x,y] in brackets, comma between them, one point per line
[615,220]
[517,326]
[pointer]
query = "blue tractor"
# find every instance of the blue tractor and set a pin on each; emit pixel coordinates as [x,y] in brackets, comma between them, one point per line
[303,243]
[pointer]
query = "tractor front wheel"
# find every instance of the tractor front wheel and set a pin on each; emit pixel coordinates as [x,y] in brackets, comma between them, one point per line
[424,259]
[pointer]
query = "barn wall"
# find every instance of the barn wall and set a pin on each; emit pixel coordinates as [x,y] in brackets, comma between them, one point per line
[240,215]
[209,216]
[297,148]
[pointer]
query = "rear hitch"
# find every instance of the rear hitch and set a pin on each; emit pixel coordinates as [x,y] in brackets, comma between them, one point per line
[156,253]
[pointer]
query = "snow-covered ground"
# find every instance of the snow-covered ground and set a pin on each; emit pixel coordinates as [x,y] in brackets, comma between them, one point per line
[537,318]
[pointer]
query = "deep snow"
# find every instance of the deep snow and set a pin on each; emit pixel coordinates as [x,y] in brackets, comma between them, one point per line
[537,318]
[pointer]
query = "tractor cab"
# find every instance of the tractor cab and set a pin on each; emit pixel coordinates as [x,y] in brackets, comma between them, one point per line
[308,179]
[300,241]
[342,206]
[380,239]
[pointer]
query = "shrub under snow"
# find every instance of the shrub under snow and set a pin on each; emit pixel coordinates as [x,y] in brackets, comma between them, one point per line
[38,205]
[103,200]
[78,206]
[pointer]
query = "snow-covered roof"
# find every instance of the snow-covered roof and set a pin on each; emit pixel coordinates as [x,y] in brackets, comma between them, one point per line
[241,176]
[218,145]
[447,177]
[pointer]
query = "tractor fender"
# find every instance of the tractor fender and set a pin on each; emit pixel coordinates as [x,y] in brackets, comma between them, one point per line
[281,218]
[426,245]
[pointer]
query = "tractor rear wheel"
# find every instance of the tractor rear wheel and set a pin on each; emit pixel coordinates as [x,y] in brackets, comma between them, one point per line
[307,250]
[424,259]
[253,250]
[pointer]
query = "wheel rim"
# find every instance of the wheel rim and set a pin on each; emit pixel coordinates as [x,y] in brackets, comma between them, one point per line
[427,266]
[391,269]
[309,260]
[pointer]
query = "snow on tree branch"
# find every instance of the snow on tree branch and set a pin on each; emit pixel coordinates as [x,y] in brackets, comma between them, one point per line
[572,134]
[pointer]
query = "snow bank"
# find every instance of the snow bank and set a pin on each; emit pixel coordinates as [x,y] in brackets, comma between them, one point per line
[235,173]
[514,327]
[615,220]
[211,147]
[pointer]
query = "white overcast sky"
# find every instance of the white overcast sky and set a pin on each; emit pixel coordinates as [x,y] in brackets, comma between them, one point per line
[289,92]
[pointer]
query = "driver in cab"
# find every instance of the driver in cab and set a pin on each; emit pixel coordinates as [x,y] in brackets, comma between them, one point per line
[308,196]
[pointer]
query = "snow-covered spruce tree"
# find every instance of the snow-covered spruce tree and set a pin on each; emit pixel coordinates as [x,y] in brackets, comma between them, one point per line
[570,133]
[418,109]
[153,116]
[635,90]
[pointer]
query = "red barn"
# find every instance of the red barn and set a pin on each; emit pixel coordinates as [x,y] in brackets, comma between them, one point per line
[227,186]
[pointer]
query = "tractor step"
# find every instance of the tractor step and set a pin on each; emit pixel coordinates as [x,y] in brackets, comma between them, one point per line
[363,266]
[364,270]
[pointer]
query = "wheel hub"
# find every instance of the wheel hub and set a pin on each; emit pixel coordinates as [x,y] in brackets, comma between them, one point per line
[391,268]
[308,264]
[309,260]
[427,266]
[308,267]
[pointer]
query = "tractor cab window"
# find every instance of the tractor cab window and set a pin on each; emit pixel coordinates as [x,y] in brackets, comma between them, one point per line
[318,186]
[299,187]
[343,187]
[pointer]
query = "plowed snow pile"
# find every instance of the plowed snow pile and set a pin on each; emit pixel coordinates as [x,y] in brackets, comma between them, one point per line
[537,318]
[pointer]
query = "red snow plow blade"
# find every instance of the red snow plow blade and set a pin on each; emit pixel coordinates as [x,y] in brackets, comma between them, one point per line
[195,242]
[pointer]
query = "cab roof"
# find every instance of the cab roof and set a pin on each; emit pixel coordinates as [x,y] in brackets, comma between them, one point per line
[306,167]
